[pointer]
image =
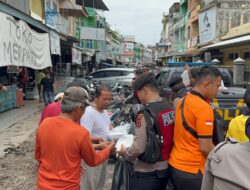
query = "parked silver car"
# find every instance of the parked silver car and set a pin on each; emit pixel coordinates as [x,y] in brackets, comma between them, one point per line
[110,76]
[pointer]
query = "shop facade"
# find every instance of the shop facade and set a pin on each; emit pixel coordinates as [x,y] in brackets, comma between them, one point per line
[25,48]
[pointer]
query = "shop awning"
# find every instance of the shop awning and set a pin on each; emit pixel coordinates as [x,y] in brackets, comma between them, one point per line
[193,52]
[228,43]
[89,52]
[97,4]
[71,9]
[72,39]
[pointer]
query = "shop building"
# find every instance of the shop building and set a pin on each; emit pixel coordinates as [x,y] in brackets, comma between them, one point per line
[25,47]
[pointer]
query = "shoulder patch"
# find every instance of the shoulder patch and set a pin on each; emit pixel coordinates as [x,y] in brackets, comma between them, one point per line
[168,118]
[139,120]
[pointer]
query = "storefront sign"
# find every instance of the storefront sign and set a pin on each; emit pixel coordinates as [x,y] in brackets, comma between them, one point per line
[76,56]
[128,46]
[12,69]
[114,49]
[55,43]
[92,33]
[22,46]
[207,25]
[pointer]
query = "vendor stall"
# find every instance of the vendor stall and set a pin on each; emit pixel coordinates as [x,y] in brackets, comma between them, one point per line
[8,98]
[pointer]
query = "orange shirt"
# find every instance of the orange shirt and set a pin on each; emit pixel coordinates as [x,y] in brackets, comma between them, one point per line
[186,154]
[60,146]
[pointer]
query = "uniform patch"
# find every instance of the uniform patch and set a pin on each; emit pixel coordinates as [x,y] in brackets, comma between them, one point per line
[209,122]
[168,118]
[139,120]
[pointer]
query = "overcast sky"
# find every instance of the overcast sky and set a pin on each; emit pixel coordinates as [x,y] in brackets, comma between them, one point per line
[141,18]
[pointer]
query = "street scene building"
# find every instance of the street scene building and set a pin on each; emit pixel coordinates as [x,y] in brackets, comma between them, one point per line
[72,37]
[205,30]
[124,95]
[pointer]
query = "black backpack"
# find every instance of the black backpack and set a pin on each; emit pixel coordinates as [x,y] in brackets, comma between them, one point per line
[218,134]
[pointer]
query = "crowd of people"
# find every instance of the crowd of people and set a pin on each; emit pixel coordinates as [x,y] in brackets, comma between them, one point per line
[173,139]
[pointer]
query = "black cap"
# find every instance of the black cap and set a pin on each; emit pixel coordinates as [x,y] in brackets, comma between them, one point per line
[143,80]
[175,80]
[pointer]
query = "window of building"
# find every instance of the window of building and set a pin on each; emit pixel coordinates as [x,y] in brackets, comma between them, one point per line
[90,44]
[189,32]
[48,4]
[246,55]
[55,7]
[233,56]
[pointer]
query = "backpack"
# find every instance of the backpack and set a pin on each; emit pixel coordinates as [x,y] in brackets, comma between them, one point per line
[159,117]
[218,134]
[152,152]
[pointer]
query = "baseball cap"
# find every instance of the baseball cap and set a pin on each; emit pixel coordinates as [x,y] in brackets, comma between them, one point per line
[77,94]
[143,80]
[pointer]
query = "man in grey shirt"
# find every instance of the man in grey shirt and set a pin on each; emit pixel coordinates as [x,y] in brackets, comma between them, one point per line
[228,166]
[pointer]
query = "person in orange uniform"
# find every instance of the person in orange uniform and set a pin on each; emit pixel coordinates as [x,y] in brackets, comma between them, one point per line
[193,131]
[61,143]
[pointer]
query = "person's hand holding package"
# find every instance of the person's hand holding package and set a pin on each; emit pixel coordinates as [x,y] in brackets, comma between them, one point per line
[105,144]
[122,151]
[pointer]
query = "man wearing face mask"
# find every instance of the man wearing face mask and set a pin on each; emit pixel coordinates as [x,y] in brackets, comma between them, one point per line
[96,120]
[228,166]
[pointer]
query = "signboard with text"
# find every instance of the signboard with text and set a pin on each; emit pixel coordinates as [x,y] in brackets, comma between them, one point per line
[76,56]
[55,43]
[207,25]
[93,33]
[12,69]
[22,46]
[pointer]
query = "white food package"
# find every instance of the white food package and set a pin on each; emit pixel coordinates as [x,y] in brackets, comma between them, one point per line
[126,140]
[119,131]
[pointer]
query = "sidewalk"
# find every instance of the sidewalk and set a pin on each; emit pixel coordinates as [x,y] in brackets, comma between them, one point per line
[13,116]
[17,124]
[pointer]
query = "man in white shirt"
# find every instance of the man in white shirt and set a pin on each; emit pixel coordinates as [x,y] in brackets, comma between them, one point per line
[97,122]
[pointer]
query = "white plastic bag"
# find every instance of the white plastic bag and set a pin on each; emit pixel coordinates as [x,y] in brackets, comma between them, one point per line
[119,131]
[126,140]
[185,77]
